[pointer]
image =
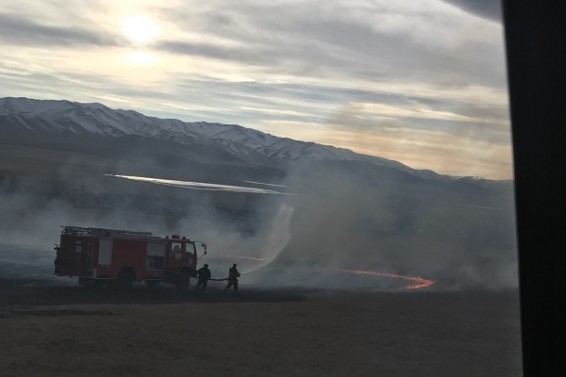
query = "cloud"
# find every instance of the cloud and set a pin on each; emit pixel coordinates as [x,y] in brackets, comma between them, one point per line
[267,65]
[211,51]
[490,9]
[17,30]
[368,42]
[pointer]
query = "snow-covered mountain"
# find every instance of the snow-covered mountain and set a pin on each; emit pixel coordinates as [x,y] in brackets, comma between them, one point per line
[24,116]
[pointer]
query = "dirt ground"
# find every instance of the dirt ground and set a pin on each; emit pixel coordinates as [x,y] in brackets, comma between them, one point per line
[68,330]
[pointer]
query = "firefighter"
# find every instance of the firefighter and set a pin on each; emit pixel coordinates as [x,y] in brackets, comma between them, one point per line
[203,275]
[233,276]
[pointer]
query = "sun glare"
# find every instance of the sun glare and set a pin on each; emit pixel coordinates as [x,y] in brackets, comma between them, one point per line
[140,29]
[141,58]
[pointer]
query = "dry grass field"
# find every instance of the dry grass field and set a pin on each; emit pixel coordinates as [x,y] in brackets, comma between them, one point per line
[67,330]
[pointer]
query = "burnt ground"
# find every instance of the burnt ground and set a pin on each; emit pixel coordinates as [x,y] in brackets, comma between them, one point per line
[54,329]
[28,292]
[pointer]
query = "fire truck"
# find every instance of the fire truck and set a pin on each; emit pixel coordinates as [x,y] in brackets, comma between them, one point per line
[120,257]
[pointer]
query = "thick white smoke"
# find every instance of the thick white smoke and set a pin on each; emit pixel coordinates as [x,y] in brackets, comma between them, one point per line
[345,217]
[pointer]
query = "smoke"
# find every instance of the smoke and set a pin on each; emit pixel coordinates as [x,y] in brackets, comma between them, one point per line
[235,225]
[277,237]
[346,216]
[227,244]
[352,215]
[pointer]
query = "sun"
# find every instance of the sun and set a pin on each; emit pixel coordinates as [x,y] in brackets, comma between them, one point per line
[140,29]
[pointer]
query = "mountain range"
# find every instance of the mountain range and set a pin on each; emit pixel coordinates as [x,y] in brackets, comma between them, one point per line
[24,120]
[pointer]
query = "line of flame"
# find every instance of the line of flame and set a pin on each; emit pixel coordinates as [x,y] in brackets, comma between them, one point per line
[418,282]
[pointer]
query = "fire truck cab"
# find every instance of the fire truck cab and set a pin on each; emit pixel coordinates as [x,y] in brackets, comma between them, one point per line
[121,257]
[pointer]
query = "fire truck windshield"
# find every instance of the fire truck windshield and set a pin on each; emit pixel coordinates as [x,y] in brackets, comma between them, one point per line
[191,249]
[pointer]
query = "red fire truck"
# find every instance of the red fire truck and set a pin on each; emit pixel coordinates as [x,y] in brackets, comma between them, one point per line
[121,257]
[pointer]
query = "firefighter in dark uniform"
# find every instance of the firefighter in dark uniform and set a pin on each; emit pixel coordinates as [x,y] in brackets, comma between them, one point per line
[203,275]
[233,276]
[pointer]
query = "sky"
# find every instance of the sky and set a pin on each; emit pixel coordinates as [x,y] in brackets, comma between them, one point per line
[422,82]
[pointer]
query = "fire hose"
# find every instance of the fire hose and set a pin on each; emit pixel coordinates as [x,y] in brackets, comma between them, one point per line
[226,278]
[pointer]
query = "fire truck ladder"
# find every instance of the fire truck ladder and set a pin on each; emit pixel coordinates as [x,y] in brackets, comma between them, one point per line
[85,231]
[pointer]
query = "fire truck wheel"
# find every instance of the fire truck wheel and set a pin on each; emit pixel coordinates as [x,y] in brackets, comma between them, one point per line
[126,279]
[183,281]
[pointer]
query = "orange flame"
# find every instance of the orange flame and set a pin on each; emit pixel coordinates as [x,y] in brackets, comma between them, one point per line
[417,281]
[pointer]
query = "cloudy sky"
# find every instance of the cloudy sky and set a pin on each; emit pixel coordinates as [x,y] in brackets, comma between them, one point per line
[422,82]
